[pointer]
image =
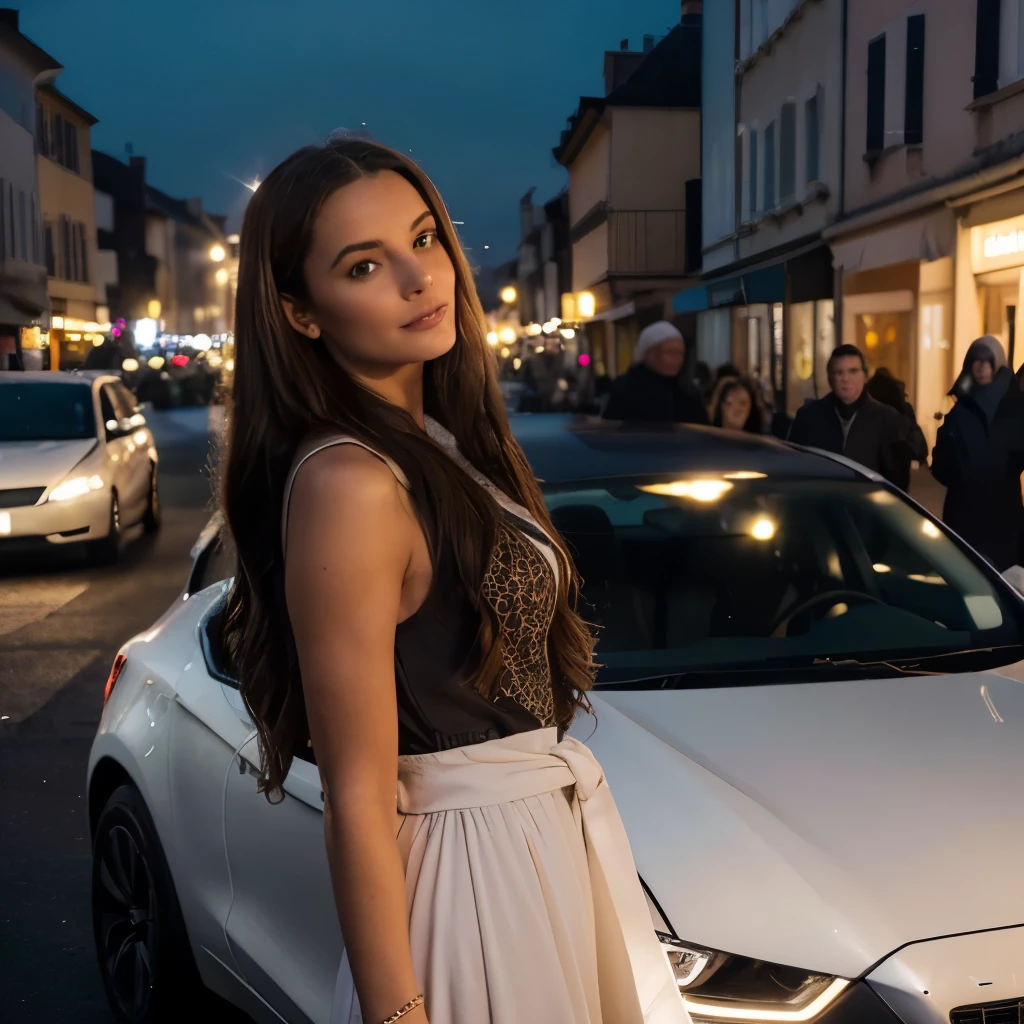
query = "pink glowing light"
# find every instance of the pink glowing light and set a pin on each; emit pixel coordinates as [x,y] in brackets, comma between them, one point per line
[116,332]
[584,359]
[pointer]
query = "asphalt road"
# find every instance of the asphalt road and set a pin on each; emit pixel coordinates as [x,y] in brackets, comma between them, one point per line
[60,626]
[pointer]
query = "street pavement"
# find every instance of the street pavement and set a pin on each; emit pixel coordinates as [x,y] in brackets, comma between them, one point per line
[61,625]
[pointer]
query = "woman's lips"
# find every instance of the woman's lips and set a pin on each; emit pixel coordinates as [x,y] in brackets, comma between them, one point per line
[429,320]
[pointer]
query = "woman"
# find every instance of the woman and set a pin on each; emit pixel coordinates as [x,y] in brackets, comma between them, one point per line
[420,636]
[736,405]
[975,456]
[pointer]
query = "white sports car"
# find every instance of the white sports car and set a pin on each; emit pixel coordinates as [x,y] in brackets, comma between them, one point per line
[77,463]
[810,710]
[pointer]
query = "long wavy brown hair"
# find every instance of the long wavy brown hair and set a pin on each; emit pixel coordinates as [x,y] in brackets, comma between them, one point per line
[287,387]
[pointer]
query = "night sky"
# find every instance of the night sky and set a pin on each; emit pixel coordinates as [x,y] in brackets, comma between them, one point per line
[212,91]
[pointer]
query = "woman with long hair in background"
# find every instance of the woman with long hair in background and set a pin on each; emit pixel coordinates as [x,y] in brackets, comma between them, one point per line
[736,405]
[404,607]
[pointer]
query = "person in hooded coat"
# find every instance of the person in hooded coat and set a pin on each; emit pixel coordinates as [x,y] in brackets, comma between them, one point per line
[976,455]
[653,390]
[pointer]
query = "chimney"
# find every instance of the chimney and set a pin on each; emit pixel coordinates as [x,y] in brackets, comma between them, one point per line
[138,163]
[623,44]
[692,7]
[9,17]
[648,44]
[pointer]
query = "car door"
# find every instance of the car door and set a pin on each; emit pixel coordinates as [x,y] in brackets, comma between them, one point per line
[282,926]
[135,492]
[117,449]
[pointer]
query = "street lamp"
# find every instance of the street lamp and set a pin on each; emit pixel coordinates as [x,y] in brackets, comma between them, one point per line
[217,254]
[585,305]
[508,295]
[507,335]
[221,276]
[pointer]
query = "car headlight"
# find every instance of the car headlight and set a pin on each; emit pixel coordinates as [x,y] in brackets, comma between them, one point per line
[75,487]
[719,987]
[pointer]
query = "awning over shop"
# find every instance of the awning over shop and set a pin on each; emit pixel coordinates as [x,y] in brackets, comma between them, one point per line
[927,238]
[618,313]
[690,300]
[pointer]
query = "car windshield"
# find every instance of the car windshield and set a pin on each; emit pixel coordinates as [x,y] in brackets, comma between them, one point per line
[40,411]
[741,573]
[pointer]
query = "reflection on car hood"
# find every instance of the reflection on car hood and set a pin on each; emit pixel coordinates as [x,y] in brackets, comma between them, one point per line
[39,463]
[823,825]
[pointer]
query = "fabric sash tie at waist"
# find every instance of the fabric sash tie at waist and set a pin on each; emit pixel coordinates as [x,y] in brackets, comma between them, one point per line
[531,764]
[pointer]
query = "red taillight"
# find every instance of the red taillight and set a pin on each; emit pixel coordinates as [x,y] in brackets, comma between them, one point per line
[119,663]
[179,360]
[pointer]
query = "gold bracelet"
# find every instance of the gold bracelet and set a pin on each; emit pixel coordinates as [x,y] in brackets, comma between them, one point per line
[408,1008]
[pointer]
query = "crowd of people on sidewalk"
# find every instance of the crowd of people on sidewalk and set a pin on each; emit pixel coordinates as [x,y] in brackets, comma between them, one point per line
[978,456]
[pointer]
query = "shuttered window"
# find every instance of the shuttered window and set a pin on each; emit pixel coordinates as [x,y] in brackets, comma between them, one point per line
[876,95]
[769,167]
[787,152]
[986,48]
[913,117]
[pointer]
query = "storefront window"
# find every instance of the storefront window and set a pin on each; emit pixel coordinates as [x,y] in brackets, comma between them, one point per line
[825,333]
[886,340]
[800,377]
[714,337]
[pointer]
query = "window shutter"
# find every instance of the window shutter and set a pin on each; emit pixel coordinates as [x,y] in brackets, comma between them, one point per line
[812,140]
[876,95]
[913,117]
[787,152]
[986,48]
[769,167]
[752,199]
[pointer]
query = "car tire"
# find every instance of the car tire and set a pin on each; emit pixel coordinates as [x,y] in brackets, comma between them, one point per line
[107,550]
[142,947]
[151,520]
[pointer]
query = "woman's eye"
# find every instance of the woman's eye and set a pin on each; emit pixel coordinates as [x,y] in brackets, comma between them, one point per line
[427,239]
[363,269]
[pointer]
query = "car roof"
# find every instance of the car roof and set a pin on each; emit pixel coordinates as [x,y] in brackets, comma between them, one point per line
[562,449]
[78,377]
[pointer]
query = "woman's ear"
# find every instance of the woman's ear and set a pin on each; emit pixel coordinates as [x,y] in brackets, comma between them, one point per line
[300,318]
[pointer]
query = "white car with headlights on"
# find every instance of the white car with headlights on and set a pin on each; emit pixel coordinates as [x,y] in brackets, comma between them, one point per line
[77,463]
[810,709]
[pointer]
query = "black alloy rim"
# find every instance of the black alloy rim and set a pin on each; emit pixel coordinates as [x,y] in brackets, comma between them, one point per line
[126,921]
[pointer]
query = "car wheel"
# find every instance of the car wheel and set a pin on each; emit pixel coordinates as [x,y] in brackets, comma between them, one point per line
[141,943]
[108,549]
[152,517]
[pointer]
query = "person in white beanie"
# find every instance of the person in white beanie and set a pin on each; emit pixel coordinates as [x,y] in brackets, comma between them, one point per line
[652,390]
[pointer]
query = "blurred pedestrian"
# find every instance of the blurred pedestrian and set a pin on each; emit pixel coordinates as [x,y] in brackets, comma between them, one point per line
[891,391]
[848,421]
[975,456]
[736,405]
[385,519]
[653,390]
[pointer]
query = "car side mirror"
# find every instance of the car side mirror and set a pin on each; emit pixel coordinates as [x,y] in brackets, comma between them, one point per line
[1015,577]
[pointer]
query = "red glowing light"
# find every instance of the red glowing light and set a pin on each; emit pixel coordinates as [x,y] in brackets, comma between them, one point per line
[179,360]
[584,359]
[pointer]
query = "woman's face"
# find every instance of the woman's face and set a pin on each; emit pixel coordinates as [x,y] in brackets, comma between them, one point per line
[736,406]
[981,371]
[381,287]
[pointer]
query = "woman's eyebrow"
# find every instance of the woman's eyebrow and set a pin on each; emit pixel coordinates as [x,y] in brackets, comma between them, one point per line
[375,244]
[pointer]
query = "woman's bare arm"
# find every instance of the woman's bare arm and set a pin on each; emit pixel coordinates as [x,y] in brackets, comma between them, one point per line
[350,541]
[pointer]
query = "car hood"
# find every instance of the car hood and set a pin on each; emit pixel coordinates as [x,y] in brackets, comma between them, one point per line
[39,463]
[822,825]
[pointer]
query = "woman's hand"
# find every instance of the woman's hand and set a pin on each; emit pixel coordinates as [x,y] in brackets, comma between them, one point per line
[351,538]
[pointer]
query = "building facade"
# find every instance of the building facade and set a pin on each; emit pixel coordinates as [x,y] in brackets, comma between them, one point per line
[68,203]
[930,245]
[24,303]
[172,258]
[772,173]
[633,158]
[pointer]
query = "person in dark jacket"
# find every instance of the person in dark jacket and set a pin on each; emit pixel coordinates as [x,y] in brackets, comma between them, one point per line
[976,456]
[890,390]
[850,422]
[652,389]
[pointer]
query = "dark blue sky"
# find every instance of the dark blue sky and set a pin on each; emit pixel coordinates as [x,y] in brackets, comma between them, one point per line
[216,90]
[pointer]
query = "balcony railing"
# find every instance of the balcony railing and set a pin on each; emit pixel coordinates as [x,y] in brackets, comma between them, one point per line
[647,242]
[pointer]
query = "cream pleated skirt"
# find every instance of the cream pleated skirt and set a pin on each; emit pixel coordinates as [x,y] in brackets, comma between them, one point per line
[524,903]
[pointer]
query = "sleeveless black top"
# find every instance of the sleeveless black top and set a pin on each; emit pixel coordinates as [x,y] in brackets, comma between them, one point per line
[436,647]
